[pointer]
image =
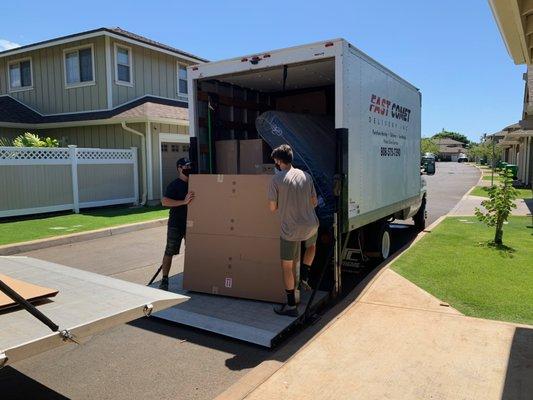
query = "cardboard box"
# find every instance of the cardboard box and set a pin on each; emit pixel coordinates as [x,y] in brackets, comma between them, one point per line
[252,154]
[231,205]
[232,245]
[227,156]
[237,266]
[266,169]
[304,103]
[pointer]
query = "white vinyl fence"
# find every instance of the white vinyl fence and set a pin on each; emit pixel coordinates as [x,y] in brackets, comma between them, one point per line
[36,180]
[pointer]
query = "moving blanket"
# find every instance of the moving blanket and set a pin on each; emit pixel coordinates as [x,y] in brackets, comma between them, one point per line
[312,139]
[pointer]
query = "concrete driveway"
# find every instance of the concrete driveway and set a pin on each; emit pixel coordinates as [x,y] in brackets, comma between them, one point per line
[154,359]
[398,342]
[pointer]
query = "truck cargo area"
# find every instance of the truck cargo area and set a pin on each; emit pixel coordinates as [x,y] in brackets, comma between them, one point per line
[229,105]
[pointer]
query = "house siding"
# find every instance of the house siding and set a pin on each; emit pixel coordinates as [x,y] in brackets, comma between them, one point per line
[154,73]
[49,95]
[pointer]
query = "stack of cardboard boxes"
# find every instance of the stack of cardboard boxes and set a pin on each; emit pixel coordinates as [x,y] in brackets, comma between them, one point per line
[243,157]
[233,238]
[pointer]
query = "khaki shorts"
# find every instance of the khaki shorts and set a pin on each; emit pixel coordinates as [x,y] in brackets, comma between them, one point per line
[289,249]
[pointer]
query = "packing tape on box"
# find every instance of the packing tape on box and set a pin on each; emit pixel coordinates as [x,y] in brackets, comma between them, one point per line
[190,223]
[220,178]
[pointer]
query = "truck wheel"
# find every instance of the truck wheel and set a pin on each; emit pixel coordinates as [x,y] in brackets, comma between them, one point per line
[379,241]
[420,217]
[385,242]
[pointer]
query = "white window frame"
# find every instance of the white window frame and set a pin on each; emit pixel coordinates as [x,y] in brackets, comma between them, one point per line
[21,88]
[181,96]
[130,58]
[78,84]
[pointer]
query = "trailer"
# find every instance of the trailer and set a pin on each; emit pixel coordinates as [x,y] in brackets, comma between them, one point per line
[376,117]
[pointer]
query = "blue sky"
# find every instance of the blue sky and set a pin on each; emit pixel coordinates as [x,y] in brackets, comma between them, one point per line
[452,50]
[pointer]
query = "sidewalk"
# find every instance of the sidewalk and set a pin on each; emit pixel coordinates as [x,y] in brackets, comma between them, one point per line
[399,342]
[467,205]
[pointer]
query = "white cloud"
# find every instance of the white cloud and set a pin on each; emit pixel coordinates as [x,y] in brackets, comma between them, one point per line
[7,45]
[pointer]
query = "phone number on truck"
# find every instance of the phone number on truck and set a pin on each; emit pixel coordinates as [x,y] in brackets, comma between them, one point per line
[390,152]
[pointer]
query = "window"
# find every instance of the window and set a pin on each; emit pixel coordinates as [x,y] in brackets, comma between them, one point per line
[123,65]
[182,82]
[79,67]
[20,75]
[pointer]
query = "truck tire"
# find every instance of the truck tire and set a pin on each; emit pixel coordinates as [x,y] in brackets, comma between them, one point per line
[420,217]
[385,242]
[378,241]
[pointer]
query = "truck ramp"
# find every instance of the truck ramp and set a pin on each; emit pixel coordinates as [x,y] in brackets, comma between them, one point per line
[247,320]
[86,304]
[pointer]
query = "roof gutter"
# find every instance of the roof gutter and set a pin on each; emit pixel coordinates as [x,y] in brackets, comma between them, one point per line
[143,157]
[509,20]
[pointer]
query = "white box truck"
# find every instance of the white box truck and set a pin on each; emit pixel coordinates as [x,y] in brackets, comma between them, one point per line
[376,117]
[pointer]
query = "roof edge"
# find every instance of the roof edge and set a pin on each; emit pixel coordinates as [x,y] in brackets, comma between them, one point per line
[94,33]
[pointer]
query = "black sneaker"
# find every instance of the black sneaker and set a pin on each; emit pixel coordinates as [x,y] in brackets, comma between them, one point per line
[285,309]
[163,285]
[304,285]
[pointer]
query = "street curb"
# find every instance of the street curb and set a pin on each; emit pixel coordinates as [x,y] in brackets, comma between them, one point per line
[259,374]
[21,247]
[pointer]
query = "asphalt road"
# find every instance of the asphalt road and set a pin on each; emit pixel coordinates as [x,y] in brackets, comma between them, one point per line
[152,359]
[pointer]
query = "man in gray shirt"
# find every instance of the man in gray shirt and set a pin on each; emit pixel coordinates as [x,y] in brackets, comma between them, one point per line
[292,192]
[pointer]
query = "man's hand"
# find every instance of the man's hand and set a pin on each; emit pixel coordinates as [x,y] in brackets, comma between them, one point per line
[189,198]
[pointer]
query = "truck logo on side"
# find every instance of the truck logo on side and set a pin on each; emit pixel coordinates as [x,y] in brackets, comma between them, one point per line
[385,107]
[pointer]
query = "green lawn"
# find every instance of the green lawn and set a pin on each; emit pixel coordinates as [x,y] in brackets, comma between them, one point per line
[46,226]
[488,177]
[482,191]
[456,264]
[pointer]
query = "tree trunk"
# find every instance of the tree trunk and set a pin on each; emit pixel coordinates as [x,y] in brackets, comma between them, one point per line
[498,237]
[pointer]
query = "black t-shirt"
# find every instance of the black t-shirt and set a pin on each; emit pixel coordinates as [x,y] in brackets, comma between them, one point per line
[177,190]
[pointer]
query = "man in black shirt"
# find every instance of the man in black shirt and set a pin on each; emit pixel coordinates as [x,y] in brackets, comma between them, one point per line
[177,197]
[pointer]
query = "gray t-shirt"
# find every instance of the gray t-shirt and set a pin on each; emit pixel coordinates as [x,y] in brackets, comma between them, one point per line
[292,190]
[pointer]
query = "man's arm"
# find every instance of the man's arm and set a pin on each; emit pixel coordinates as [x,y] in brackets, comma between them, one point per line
[273,196]
[168,202]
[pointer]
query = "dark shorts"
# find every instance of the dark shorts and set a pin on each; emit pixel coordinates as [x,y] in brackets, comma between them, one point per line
[289,250]
[174,238]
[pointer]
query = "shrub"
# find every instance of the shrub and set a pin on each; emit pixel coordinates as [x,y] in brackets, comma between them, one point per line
[499,205]
[32,140]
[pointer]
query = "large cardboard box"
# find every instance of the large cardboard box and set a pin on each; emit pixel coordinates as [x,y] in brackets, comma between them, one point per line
[253,154]
[233,239]
[237,266]
[227,156]
[231,205]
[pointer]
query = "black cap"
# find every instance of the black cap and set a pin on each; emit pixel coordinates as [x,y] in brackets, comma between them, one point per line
[182,162]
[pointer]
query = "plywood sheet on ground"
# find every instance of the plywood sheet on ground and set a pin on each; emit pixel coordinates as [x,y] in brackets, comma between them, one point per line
[27,290]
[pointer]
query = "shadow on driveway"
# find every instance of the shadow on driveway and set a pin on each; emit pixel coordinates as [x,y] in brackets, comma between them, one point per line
[17,386]
[519,378]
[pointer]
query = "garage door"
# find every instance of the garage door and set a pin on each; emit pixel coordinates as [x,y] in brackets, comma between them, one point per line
[170,153]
